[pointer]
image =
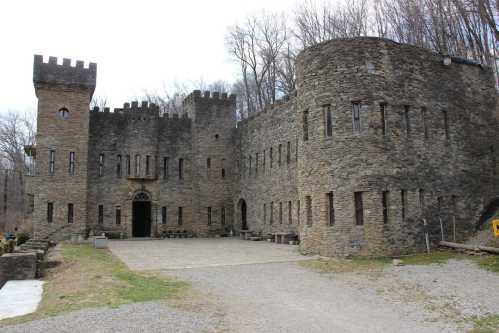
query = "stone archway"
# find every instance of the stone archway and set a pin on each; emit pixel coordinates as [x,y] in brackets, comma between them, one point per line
[487,212]
[141,215]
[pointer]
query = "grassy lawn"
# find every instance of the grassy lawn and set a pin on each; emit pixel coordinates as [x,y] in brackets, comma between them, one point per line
[88,277]
[487,324]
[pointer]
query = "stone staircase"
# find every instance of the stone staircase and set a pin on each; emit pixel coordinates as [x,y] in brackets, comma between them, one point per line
[35,245]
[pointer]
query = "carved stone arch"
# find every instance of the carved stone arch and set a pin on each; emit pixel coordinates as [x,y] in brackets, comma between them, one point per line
[141,196]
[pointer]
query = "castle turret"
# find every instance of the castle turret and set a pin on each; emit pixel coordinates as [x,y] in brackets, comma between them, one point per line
[64,93]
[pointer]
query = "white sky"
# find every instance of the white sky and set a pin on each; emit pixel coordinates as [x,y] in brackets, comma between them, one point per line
[137,45]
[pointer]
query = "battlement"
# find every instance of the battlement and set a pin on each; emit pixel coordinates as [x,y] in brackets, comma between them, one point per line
[209,97]
[51,73]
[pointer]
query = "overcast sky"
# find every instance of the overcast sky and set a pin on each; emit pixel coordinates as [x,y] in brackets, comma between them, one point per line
[137,45]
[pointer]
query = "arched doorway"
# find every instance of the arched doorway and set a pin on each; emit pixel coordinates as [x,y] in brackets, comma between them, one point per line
[242,213]
[141,215]
[489,211]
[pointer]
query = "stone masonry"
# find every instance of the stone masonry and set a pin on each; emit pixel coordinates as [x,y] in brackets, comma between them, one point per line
[379,139]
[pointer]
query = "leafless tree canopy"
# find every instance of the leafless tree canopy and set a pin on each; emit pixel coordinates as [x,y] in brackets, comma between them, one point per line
[265,45]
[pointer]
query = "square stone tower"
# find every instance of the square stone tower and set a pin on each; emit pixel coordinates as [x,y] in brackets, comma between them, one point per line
[64,94]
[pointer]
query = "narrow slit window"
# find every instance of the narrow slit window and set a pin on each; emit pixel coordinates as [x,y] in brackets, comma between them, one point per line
[305,125]
[385,202]
[403,199]
[166,167]
[288,153]
[264,213]
[72,163]
[359,208]
[128,166]
[51,162]
[70,213]
[163,215]
[271,157]
[250,162]
[137,165]
[298,211]
[100,218]
[290,213]
[209,215]
[256,164]
[280,212]
[356,117]
[50,212]
[425,123]
[222,216]
[421,199]
[208,163]
[382,113]
[180,216]
[101,165]
[328,121]
[118,166]
[330,203]
[271,212]
[148,165]
[446,123]
[279,155]
[308,209]
[407,120]
[264,161]
[117,214]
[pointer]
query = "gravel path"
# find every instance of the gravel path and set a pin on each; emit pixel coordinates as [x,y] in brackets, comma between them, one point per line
[143,317]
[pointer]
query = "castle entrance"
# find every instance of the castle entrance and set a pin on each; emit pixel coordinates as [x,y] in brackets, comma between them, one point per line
[141,215]
[242,207]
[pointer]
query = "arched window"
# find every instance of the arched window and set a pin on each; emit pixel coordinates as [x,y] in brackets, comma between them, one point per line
[63,112]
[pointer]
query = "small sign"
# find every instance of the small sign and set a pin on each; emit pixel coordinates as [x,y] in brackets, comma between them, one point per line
[495,227]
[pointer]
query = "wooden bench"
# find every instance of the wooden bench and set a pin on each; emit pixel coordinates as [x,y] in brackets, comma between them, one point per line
[245,234]
[283,237]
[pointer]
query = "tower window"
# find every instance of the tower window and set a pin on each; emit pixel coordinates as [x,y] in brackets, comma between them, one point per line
[328,121]
[165,167]
[249,170]
[72,163]
[148,165]
[298,211]
[403,199]
[264,161]
[100,214]
[288,153]
[385,202]
[356,117]
[137,165]
[330,203]
[271,157]
[163,215]
[118,166]
[446,123]
[70,213]
[359,208]
[63,112]
[101,165]
[222,215]
[407,121]
[180,215]
[382,113]
[256,164]
[209,215]
[180,168]
[128,168]
[50,212]
[208,163]
[51,162]
[264,213]
[305,125]
[279,155]
[271,212]
[280,212]
[118,215]
[290,213]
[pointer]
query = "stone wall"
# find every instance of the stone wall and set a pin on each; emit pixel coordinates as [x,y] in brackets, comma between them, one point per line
[17,266]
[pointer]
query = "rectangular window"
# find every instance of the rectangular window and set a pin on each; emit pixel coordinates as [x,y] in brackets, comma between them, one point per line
[328,121]
[222,215]
[271,212]
[359,208]
[128,167]
[385,202]
[271,157]
[209,215]
[70,213]
[403,199]
[101,165]
[446,123]
[290,213]
[101,214]
[118,166]
[163,215]
[407,121]
[50,212]
[288,153]
[298,211]
[423,120]
[180,215]
[421,199]
[249,170]
[356,117]
[137,165]
[280,212]
[223,172]
[330,205]
[208,163]
[180,168]
[279,155]
[71,163]
[148,165]
[305,125]
[308,209]
[264,213]
[264,161]
[165,167]
[51,162]
[118,215]
[256,164]
[382,113]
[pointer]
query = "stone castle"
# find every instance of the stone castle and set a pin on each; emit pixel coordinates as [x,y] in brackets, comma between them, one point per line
[381,142]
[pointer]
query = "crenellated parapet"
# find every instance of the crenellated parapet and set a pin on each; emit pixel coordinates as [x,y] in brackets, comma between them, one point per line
[209,97]
[52,73]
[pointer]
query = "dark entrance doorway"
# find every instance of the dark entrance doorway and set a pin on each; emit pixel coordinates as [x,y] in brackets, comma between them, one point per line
[141,215]
[244,222]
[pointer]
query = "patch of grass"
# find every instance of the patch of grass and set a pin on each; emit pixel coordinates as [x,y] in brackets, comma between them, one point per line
[490,263]
[435,257]
[90,277]
[485,324]
[346,265]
